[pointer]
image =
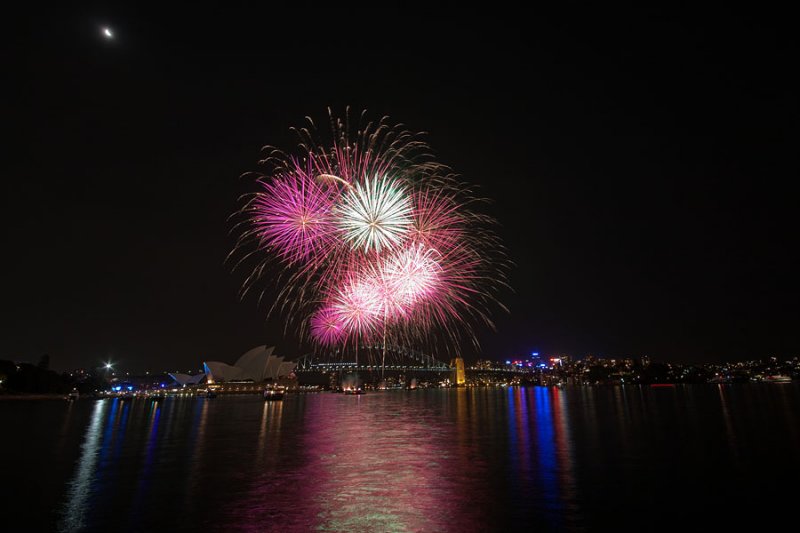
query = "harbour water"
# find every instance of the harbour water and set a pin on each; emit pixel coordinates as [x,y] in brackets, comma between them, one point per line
[502,459]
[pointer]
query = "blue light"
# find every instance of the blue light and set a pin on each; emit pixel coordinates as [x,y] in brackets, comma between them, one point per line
[535,354]
[130,387]
[117,388]
[542,365]
[508,362]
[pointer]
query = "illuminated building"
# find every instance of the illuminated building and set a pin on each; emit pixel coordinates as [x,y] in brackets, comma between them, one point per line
[484,365]
[255,365]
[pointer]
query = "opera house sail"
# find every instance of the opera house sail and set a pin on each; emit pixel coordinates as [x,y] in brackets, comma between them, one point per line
[256,365]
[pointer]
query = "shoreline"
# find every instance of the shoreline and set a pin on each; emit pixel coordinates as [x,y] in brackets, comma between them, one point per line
[12,397]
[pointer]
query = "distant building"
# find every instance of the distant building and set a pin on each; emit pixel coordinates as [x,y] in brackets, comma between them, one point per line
[258,364]
[186,379]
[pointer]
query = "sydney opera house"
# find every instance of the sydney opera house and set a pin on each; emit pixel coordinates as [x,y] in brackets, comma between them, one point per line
[256,365]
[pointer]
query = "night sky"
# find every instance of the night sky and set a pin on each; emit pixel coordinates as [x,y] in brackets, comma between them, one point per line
[642,167]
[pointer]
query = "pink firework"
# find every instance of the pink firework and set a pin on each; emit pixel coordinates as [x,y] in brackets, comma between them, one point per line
[410,276]
[459,291]
[293,215]
[357,304]
[366,238]
[438,221]
[327,327]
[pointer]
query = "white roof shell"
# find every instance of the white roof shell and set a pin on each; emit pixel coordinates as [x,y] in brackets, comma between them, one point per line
[258,364]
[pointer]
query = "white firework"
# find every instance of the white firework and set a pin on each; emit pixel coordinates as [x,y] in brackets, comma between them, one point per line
[375,214]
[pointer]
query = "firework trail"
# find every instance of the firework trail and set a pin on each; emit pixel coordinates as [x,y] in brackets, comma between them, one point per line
[367,239]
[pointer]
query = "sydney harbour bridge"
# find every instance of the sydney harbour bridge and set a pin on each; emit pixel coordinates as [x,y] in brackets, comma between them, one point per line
[374,363]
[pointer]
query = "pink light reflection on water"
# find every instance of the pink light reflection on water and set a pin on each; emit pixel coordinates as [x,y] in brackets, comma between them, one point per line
[368,467]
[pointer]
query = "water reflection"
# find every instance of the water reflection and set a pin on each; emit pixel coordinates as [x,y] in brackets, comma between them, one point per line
[145,474]
[519,435]
[787,409]
[123,424]
[540,454]
[269,434]
[80,487]
[195,452]
[567,481]
[62,434]
[430,460]
[363,466]
[547,458]
[726,417]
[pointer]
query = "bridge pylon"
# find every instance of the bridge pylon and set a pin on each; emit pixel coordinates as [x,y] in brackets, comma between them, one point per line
[457,365]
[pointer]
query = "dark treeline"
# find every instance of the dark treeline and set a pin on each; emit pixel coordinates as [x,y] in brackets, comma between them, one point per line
[39,379]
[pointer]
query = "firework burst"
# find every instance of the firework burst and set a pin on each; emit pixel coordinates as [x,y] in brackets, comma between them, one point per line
[293,217]
[375,214]
[327,327]
[410,276]
[368,238]
[357,304]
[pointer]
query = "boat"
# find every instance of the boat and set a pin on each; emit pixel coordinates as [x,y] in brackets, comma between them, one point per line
[74,395]
[777,378]
[354,390]
[272,394]
[210,394]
